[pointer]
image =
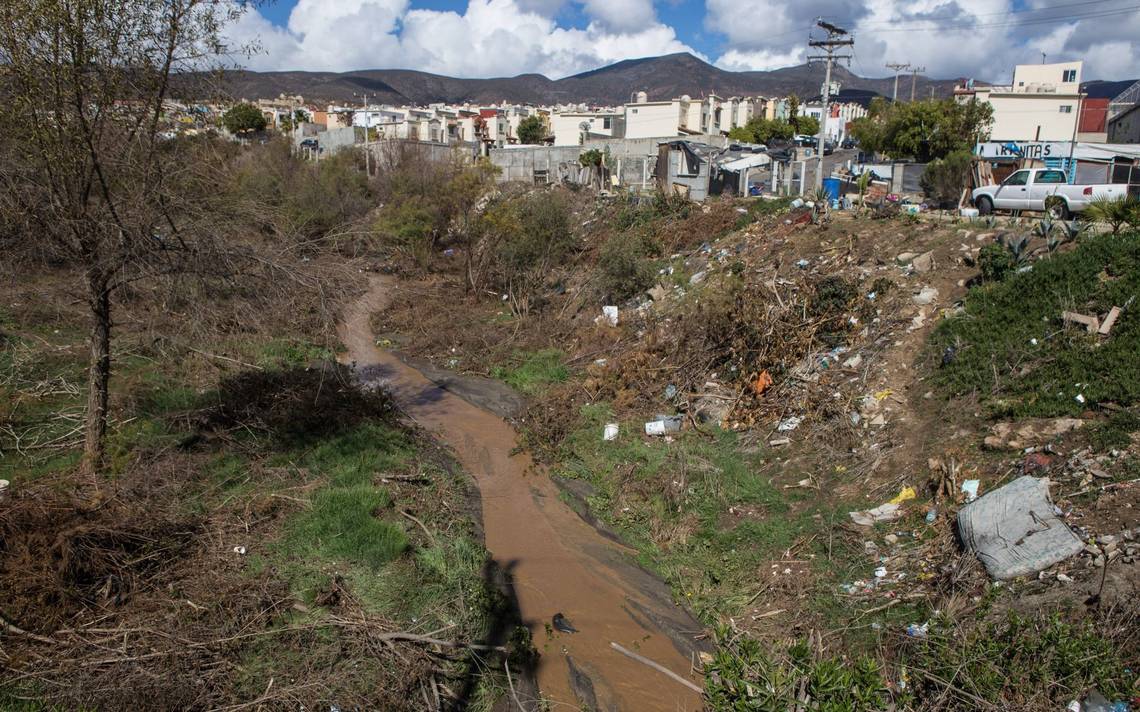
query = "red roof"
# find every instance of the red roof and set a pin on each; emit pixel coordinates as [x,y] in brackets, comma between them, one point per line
[488,113]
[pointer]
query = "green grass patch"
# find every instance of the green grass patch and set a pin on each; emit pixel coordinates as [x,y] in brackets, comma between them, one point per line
[289,353]
[1012,351]
[345,524]
[672,501]
[1038,662]
[1114,432]
[531,372]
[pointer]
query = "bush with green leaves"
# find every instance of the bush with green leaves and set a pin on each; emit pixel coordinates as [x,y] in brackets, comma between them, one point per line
[532,130]
[244,118]
[944,178]
[995,262]
[523,239]
[625,267]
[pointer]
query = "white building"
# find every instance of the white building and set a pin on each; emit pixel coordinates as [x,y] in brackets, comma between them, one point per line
[1042,103]
[568,127]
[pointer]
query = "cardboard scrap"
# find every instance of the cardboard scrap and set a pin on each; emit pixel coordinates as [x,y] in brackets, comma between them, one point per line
[1109,320]
[1089,322]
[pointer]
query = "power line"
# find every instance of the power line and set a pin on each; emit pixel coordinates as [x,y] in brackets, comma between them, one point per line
[970,26]
[836,37]
[898,67]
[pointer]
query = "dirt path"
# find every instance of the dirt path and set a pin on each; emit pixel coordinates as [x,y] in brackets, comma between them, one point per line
[558,563]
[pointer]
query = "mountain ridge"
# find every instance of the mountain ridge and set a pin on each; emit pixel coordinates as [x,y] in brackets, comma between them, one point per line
[663,78]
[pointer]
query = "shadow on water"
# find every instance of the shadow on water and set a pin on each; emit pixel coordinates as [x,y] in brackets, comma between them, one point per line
[505,629]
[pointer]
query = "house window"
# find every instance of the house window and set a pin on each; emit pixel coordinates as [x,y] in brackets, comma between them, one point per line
[1021,84]
[1069,75]
[606,122]
[634,110]
[1066,108]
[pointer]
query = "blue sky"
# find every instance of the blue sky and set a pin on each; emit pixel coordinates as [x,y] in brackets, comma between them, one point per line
[480,38]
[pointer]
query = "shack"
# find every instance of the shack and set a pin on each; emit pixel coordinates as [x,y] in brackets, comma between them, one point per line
[685,168]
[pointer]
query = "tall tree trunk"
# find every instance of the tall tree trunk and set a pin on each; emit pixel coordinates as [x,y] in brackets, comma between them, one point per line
[100,375]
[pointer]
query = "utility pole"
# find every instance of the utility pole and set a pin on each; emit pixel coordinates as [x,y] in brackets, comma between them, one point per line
[914,71]
[836,37]
[897,66]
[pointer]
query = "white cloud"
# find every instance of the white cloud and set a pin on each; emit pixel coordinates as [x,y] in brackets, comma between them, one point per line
[490,38]
[955,38]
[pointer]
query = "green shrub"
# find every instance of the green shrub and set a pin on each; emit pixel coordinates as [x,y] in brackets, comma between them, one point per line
[944,178]
[1116,213]
[995,262]
[625,267]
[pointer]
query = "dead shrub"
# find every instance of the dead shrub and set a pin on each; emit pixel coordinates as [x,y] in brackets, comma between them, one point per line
[296,405]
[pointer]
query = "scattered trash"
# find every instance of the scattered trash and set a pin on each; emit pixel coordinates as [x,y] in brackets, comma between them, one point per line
[663,424]
[968,212]
[1023,434]
[789,424]
[600,361]
[610,314]
[882,513]
[449,252]
[670,392]
[904,494]
[762,382]
[931,516]
[1091,323]
[1109,320]
[698,277]
[4,485]
[915,630]
[970,487]
[777,442]
[561,623]
[923,263]
[854,362]
[610,432]
[802,263]
[239,550]
[1014,530]
[1064,579]
[949,355]
[1096,702]
[881,572]
[1080,398]
[925,296]
[797,203]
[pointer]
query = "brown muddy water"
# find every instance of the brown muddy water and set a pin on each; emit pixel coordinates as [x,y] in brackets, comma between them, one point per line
[558,563]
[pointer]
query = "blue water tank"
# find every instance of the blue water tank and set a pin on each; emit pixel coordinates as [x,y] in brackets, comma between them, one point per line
[831,187]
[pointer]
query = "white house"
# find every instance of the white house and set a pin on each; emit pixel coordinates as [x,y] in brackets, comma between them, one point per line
[569,126]
[1042,103]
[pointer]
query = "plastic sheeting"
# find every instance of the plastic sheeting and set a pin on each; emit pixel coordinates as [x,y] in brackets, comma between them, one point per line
[1014,530]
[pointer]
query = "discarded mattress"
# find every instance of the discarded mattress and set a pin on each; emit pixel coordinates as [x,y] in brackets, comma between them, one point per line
[1014,530]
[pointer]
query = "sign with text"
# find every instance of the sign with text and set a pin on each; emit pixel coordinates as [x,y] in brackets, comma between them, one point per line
[1038,150]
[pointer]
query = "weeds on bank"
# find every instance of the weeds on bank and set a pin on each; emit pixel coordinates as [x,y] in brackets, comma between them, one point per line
[672,502]
[1010,348]
[531,372]
[1017,663]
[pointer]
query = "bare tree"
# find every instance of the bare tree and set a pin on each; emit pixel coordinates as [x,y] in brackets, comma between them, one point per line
[86,158]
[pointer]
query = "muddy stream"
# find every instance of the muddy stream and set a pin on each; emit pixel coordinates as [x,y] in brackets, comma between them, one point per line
[558,562]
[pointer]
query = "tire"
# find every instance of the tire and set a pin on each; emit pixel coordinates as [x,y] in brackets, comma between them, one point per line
[1057,209]
[984,205]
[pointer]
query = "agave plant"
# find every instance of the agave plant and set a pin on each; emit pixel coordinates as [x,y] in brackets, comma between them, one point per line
[1044,227]
[1017,245]
[821,206]
[1065,231]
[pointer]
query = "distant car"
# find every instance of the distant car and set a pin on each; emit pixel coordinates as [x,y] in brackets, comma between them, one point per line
[309,143]
[848,143]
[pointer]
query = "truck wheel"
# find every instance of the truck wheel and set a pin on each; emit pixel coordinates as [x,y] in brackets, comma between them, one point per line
[984,205]
[1057,209]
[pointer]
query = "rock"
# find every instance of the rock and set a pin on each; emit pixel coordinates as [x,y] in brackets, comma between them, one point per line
[905,258]
[1018,436]
[891,539]
[925,296]
[1098,562]
[658,293]
[923,263]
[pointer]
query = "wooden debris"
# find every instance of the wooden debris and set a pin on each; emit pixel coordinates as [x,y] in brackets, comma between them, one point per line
[1089,322]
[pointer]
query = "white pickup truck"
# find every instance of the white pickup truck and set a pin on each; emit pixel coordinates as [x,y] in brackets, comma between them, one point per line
[1046,190]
